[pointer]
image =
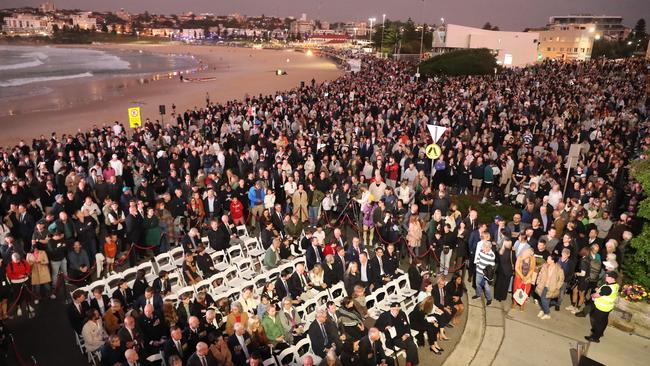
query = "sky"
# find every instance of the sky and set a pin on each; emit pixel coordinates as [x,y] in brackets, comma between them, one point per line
[511,15]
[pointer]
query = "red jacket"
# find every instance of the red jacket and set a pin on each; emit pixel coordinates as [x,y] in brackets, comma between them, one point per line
[18,271]
[236,210]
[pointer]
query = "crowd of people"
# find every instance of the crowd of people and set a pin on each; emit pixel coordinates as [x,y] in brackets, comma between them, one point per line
[338,170]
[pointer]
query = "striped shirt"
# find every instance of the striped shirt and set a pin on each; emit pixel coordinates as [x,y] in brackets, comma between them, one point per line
[482,260]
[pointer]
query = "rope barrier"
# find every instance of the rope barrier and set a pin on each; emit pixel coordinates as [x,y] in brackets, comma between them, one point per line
[19,357]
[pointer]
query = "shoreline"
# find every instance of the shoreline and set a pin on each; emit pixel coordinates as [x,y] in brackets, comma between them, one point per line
[234,72]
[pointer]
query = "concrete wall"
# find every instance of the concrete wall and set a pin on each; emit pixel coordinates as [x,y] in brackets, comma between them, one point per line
[518,48]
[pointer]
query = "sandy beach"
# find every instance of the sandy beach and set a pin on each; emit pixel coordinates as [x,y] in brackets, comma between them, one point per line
[237,72]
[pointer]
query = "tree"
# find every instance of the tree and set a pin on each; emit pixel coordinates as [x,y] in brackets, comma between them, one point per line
[639,29]
[478,61]
[488,26]
[636,266]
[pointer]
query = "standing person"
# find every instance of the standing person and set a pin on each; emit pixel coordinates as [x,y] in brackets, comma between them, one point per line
[581,283]
[524,269]
[483,259]
[414,235]
[549,283]
[256,197]
[40,271]
[18,272]
[505,270]
[604,299]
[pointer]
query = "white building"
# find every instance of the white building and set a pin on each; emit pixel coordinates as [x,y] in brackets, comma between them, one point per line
[568,41]
[192,33]
[163,32]
[84,21]
[609,26]
[26,24]
[511,48]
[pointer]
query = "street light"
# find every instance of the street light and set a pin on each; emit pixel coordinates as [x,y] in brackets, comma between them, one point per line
[442,20]
[372,20]
[383,22]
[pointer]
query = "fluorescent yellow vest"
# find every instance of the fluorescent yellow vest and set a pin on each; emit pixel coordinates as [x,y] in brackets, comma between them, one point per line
[606,303]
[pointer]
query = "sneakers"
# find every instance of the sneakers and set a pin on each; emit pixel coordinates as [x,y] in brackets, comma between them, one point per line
[36,302]
[53,297]
[570,308]
[497,203]
[592,339]
[536,302]
[540,314]
[483,201]
[30,308]
[19,312]
[475,297]
[575,310]
[545,317]
[488,303]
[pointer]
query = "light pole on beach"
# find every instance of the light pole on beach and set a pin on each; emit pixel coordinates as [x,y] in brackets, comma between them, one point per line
[383,23]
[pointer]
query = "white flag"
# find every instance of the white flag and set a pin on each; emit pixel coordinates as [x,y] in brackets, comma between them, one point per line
[436,132]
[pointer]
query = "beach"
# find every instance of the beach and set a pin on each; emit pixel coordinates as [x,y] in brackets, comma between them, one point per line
[231,73]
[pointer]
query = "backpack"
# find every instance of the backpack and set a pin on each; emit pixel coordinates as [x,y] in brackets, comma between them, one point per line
[488,273]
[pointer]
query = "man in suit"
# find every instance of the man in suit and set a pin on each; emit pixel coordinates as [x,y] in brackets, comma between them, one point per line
[544,217]
[371,350]
[123,293]
[194,333]
[176,345]
[153,330]
[395,321]
[190,241]
[442,297]
[277,218]
[366,272]
[202,356]
[353,251]
[211,205]
[299,282]
[313,253]
[184,310]
[150,297]
[340,262]
[162,285]
[218,236]
[282,288]
[338,238]
[132,358]
[77,310]
[378,275]
[100,301]
[129,335]
[239,344]
[323,334]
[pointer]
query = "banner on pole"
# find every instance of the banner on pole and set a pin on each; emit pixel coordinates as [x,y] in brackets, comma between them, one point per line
[436,132]
[134,117]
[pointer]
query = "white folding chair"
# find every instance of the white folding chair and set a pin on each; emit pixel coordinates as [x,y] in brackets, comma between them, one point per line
[245,270]
[129,274]
[242,230]
[176,281]
[99,283]
[177,256]
[235,254]
[164,262]
[337,292]
[253,247]
[112,280]
[220,260]
[288,356]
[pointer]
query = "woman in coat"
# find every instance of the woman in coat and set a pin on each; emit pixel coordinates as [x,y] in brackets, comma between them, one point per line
[524,270]
[41,278]
[153,231]
[549,283]
[505,270]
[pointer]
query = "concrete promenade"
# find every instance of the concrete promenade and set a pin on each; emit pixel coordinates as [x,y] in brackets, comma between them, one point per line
[497,335]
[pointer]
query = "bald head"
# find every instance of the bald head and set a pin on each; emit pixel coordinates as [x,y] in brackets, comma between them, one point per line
[131,355]
[201,349]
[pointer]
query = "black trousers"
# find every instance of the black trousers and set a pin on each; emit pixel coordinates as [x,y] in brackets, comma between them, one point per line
[411,349]
[431,331]
[599,321]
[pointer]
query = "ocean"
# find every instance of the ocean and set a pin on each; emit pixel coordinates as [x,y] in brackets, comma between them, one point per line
[36,71]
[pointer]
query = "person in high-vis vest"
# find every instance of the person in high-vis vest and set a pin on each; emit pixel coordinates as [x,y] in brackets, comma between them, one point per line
[604,299]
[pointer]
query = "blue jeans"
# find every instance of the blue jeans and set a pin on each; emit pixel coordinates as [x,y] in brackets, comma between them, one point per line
[313,214]
[545,301]
[58,266]
[483,285]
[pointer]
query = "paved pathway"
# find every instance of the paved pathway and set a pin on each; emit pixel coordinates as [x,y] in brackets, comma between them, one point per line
[497,335]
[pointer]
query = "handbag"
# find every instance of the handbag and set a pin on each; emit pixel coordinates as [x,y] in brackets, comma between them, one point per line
[520,296]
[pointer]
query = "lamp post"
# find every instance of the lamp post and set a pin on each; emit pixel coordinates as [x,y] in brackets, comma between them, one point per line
[372,21]
[383,22]
[422,34]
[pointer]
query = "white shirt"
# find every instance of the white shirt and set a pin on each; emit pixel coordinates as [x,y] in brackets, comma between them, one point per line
[243,345]
[363,269]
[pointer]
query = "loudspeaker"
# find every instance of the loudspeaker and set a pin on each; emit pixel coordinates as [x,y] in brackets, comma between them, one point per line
[161,108]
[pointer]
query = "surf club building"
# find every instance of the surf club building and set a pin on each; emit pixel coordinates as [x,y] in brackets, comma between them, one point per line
[511,48]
